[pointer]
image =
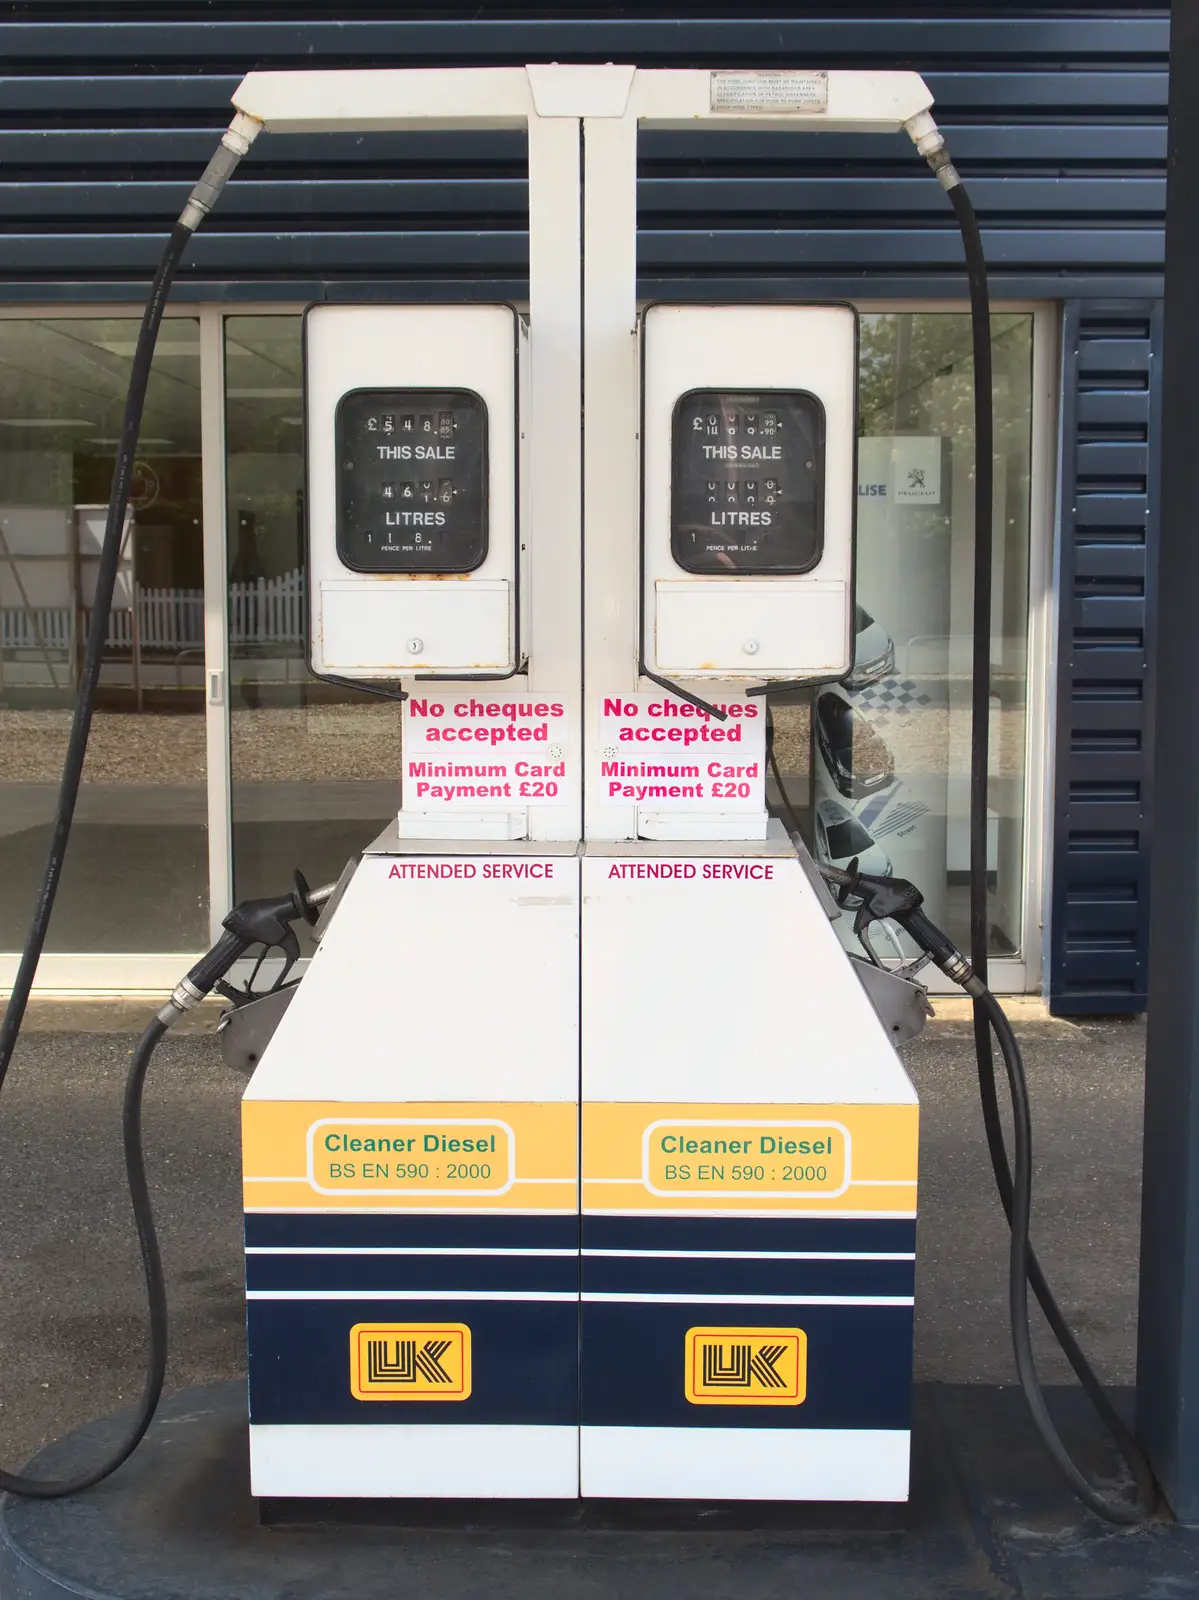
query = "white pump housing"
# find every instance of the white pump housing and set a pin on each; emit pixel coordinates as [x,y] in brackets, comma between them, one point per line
[412,439]
[592,928]
[770,392]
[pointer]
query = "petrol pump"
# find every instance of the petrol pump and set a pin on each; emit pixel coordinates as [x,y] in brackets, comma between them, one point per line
[580,1161]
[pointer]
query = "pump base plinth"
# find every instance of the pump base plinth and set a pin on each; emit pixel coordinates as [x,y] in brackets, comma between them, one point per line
[987,1516]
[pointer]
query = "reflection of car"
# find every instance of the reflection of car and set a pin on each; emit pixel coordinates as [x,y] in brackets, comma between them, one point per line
[873,651]
[840,837]
[858,761]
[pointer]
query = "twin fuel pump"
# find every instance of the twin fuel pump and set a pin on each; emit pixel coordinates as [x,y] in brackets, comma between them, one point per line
[580,1160]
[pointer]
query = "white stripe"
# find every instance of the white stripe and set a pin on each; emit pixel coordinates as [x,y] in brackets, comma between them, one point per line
[716,1463]
[854,1183]
[480,1461]
[742,1212]
[412,1294]
[649,1255]
[732,1298]
[392,1250]
[304,1180]
[735,1297]
[758,1255]
[432,1211]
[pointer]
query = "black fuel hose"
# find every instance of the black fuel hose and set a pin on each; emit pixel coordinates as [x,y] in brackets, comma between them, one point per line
[233,146]
[135,1171]
[68,794]
[1015,1190]
[97,639]
[1014,1180]
[882,898]
[156,1358]
[156,1299]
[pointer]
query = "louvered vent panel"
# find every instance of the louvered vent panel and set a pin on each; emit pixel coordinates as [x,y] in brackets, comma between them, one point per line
[1100,923]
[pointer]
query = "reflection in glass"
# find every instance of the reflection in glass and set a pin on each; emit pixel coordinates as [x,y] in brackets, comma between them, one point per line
[315,769]
[136,875]
[889,749]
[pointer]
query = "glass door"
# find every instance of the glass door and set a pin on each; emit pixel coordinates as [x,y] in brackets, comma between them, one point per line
[136,873]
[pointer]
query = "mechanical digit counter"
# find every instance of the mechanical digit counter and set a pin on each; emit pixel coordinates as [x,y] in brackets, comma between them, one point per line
[748,481]
[412,480]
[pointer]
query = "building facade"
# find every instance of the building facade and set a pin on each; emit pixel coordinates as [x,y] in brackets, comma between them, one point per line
[218,765]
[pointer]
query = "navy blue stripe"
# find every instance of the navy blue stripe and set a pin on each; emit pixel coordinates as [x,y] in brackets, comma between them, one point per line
[859,1369]
[332,1229]
[434,1273]
[663,1232]
[524,1358]
[642,1275]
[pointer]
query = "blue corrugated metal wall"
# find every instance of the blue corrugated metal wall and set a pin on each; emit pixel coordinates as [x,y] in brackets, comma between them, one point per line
[1056,117]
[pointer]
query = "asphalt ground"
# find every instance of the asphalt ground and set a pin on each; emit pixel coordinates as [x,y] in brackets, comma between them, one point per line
[71,1310]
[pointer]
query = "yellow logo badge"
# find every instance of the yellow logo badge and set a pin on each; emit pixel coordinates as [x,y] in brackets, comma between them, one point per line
[746,1366]
[410,1361]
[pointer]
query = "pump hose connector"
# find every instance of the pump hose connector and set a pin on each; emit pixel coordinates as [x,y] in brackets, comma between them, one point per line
[235,143]
[930,142]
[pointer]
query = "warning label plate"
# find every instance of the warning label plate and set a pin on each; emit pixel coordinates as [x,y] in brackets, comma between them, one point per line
[798,92]
[746,1366]
[410,1361]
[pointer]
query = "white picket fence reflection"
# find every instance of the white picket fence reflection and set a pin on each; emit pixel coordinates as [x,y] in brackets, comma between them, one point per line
[267,612]
[36,628]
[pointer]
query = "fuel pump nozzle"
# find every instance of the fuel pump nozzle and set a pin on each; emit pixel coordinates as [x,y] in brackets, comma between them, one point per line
[267,922]
[896,900]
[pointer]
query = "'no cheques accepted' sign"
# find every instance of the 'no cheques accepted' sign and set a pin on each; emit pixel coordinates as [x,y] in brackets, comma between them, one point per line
[479,752]
[472,752]
[664,754]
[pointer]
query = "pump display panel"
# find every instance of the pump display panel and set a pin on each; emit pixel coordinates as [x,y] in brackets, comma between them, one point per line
[412,480]
[747,485]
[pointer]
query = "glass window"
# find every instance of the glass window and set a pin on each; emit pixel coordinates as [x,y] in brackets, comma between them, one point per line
[315,768]
[883,758]
[136,874]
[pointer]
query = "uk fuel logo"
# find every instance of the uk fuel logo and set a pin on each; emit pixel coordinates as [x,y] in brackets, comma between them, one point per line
[410,1361]
[746,1366]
